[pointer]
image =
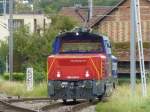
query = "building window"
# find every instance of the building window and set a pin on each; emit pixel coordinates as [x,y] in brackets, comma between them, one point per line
[4,6]
[35,25]
[17,23]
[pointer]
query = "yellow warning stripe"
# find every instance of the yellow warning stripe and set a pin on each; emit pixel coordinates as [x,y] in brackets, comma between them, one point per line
[101,68]
[48,69]
[95,68]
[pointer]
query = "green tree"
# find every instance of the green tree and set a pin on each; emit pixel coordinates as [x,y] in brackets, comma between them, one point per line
[3,55]
[32,49]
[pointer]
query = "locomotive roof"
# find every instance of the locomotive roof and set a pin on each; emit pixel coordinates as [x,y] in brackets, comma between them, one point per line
[79,36]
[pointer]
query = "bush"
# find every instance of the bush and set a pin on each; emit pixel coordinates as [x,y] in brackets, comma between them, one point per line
[15,76]
[2,66]
[148,76]
[39,76]
[146,45]
[121,45]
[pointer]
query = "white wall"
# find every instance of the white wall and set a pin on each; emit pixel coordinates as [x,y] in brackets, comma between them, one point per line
[28,20]
[3,28]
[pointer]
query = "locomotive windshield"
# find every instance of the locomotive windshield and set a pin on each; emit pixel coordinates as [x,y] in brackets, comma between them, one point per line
[80,46]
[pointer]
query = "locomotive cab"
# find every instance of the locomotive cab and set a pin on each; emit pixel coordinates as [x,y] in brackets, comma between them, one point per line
[80,66]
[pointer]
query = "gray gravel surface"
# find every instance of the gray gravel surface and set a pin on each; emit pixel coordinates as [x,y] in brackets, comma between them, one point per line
[3,96]
[89,109]
[60,109]
[33,105]
[67,109]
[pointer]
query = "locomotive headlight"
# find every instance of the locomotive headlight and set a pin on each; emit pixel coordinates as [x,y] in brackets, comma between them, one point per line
[87,74]
[58,74]
[103,57]
[77,33]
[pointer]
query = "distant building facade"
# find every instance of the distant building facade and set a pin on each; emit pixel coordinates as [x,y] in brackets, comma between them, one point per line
[116,23]
[36,22]
[24,1]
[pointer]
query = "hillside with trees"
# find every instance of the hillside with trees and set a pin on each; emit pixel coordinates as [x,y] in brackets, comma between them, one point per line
[53,6]
[56,5]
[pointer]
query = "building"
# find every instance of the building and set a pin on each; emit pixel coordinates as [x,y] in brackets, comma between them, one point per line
[116,25]
[24,1]
[36,22]
[115,21]
[80,14]
[4,6]
[118,19]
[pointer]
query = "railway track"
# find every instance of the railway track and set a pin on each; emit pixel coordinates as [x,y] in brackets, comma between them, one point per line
[41,105]
[81,106]
[69,107]
[23,104]
[31,103]
[51,107]
[7,107]
[27,99]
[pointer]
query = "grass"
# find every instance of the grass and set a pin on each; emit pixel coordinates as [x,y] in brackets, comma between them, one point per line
[120,101]
[19,89]
[123,101]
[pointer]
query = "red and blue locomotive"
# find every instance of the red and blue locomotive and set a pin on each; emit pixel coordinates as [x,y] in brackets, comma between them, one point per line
[81,66]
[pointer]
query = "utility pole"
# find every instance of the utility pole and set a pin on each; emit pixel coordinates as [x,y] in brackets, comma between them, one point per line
[91,9]
[35,2]
[6,64]
[10,40]
[136,28]
[4,7]
[133,49]
[140,48]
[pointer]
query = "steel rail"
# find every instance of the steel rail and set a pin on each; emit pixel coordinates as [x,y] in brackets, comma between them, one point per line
[71,107]
[26,99]
[51,106]
[83,105]
[8,106]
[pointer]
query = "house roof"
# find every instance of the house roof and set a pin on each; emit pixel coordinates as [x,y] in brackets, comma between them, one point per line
[100,13]
[97,10]
[96,22]
[101,18]
[103,11]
